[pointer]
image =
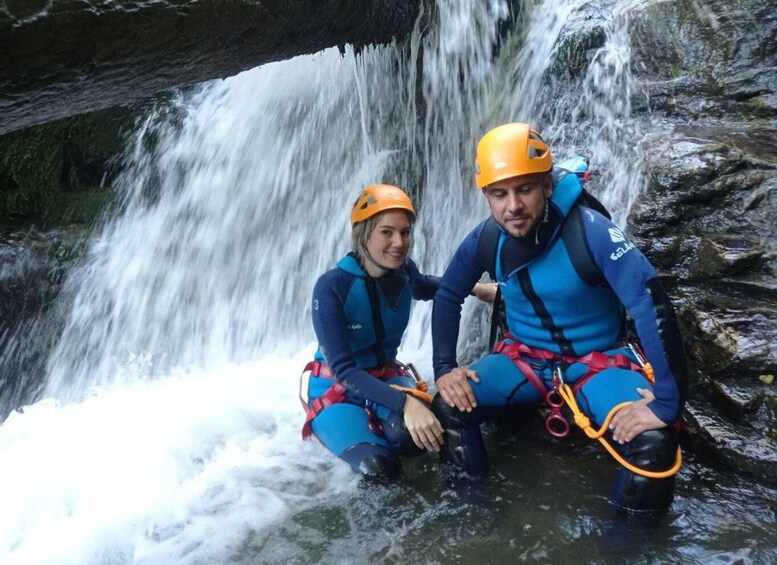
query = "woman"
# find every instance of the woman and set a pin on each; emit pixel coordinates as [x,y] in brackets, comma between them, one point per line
[362,404]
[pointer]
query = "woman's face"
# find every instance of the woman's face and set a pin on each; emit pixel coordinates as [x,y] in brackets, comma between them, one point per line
[389,242]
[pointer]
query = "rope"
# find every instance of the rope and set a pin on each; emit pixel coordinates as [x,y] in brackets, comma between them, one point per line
[585,424]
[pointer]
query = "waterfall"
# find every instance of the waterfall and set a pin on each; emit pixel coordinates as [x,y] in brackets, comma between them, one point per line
[171,429]
[236,196]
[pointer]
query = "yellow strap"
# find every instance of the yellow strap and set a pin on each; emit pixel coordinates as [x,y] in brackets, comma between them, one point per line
[585,423]
[420,392]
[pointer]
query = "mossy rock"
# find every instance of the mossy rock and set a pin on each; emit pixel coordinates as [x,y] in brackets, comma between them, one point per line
[61,172]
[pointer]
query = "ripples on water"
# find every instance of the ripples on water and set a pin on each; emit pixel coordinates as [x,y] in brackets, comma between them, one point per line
[546,502]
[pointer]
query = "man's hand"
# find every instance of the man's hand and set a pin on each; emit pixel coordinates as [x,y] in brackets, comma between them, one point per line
[636,418]
[455,389]
[422,424]
[485,292]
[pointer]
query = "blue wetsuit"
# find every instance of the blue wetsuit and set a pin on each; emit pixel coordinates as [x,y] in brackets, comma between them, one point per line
[551,306]
[359,322]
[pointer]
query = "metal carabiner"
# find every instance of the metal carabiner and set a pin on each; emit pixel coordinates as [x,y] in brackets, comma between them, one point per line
[637,355]
[558,376]
[556,424]
[306,381]
[410,369]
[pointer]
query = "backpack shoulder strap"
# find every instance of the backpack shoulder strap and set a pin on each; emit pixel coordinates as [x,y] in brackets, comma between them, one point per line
[576,243]
[590,201]
[487,246]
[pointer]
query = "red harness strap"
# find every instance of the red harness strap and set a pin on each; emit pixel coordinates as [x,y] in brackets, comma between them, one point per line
[336,393]
[596,362]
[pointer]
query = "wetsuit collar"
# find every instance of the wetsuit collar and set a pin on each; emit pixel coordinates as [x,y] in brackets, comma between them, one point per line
[350,264]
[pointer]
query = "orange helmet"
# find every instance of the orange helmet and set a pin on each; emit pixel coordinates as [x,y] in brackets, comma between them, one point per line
[378,198]
[509,151]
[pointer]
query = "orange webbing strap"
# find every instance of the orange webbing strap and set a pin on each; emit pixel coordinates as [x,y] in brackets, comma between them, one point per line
[647,368]
[420,393]
[585,424]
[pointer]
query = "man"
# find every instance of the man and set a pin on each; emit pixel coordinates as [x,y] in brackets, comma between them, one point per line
[566,273]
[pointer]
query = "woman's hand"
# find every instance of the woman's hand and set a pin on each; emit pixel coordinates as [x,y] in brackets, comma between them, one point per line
[485,292]
[424,427]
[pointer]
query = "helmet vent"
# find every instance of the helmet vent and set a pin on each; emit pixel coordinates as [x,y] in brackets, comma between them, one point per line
[370,201]
[533,153]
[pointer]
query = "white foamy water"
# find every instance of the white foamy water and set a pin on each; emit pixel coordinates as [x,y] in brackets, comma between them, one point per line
[171,429]
[179,470]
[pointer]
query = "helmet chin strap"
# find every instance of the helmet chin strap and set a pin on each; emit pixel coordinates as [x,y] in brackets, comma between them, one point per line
[544,221]
[374,262]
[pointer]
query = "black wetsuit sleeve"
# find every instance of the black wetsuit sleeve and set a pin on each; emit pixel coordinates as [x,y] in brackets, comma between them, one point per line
[424,287]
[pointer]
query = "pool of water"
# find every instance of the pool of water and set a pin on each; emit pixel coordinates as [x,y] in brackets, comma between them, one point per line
[546,501]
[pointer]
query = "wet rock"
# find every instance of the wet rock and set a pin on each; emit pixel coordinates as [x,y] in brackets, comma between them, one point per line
[61,172]
[32,269]
[712,59]
[726,255]
[582,36]
[707,222]
[742,447]
[730,337]
[739,401]
[69,57]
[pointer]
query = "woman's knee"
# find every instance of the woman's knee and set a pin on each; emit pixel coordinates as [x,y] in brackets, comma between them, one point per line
[373,461]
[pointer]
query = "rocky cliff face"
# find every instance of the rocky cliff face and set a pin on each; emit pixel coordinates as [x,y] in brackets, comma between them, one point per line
[65,57]
[707,219]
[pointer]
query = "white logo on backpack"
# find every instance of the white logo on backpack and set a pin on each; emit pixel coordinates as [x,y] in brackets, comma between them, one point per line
[616,235]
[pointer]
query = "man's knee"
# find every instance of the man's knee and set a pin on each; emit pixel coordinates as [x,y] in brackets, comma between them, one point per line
[447,415]
[654,450]
[463,442]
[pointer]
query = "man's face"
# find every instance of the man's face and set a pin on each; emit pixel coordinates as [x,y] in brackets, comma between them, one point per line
[518,203]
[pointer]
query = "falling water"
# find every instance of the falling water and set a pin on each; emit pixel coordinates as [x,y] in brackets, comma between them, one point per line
[170,432]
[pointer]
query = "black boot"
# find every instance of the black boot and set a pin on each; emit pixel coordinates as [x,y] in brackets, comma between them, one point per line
[463,442]
[654,450]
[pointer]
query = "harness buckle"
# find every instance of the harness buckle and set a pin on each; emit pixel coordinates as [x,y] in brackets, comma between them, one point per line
[558,376]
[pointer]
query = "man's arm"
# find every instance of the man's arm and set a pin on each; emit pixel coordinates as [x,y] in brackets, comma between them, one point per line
[457,282]
[635,282]
[424,286]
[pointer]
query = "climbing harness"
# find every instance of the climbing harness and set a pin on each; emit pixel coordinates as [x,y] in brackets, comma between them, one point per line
[556,424]
[337,392]
[563,394]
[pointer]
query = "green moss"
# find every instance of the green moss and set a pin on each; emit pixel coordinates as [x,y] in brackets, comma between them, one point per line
[49,174]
